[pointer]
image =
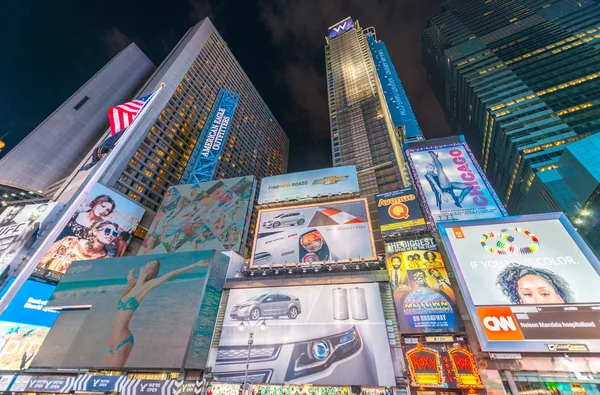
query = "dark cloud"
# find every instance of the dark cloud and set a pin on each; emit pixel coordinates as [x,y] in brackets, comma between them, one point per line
[115,41]
[200,9]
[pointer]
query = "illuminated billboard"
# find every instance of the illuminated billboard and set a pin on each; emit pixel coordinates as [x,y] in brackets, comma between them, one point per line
[207,216]
[527,280]
[307,184]
[336,231]
[101,227]
[422,291]
[24,324]
[340,27]
[321,334]
[398,211]
[150,311]
[19,227]
[203,162]
[452,185]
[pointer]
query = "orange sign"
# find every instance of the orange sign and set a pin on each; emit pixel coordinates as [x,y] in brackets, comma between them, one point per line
[458,233]
[499,323]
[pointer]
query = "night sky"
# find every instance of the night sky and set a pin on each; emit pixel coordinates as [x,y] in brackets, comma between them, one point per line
[51,48]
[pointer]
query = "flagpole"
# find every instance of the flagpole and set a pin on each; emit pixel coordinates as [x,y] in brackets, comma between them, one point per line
[72,206]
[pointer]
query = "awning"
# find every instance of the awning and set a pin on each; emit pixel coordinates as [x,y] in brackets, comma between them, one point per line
[148,387]
[87,382]
[55,384]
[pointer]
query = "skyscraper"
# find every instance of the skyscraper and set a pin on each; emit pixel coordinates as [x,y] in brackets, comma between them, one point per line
[520,80]
[56,146]
[362,131]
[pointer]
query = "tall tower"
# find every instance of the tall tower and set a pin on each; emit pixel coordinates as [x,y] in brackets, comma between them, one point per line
[520,79]
[362,131]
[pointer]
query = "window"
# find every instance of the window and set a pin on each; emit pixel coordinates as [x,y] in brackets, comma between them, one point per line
[81,103]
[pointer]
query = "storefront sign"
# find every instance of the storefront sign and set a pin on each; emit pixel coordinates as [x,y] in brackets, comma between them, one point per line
[425,369]
[187,387]
[464,368]
[497,355]
[43,384]
[567,347]
[86,382]
[5,381]
[439,339]
[148,387]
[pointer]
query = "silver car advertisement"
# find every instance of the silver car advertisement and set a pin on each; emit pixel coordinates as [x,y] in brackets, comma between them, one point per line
[322,334]
[337,231]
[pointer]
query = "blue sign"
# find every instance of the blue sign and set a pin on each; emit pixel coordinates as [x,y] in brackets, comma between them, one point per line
[341,27]
[86,382]
[393,91]
[28,304]
[204,159]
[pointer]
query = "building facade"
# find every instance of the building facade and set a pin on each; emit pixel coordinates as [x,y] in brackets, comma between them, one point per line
[51,152]
[520,81]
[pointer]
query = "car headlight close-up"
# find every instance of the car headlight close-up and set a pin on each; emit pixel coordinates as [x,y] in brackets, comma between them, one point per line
[319,354]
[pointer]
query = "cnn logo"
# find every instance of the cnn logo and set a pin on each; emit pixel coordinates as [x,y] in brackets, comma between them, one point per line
[497,324]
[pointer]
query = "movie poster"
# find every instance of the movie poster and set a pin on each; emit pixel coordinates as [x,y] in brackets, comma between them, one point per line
[423,295]
[453,186]
[204,216]
[101,228]
[399,211]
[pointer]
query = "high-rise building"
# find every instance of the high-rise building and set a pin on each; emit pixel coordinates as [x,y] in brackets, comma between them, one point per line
[200,75]
[362,130]
[520,80]
[57,145]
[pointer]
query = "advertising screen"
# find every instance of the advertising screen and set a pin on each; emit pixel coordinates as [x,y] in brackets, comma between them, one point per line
[341,27]
[24,324]
[147,311]
[423,295]
[100,228]
[530,283]
[399,210]
[205,216]
[314,233]
[305,184]
[452,185]
[19,227]
[321,334]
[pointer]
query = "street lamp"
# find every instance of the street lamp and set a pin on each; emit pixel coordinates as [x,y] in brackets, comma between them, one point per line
[251,328]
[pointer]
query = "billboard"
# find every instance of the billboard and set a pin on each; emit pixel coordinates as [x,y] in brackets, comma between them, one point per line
[452,185]
[19,227]
[101,227]
[24,324]
[209,215]
[530,283]
[422,291]
[340,27]
[205,156]
[398,211]
[336,231]
[151,311]
[321,334]
[305,184]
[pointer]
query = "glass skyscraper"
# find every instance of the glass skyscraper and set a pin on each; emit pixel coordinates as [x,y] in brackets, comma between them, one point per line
[520,80]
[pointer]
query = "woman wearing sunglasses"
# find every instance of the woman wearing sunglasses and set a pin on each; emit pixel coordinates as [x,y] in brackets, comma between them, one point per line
[82,222]
[64,251]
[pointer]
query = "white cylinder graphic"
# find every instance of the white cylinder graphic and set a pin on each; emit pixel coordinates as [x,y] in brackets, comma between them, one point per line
[359,304]
[340,304]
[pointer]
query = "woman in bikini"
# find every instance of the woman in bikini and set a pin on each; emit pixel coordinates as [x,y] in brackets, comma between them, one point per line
[441,184]
[120,342]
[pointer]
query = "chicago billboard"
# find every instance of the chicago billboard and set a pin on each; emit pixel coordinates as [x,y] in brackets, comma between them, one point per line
[100,228]
[305,184]
[452,185]
[207,216]
[322,334]
[398,211]
[19,227]
[336,231]
[24,324]
[151,311]
[422,291]
[527,280]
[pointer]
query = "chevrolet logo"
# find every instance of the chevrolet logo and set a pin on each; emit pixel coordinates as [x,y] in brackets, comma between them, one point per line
[330,180]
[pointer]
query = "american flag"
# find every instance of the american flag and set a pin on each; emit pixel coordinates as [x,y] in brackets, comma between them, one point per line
[122,115]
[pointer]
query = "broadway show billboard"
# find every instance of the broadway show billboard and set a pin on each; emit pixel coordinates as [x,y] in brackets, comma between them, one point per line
[150,311]
[452,185]
[19,227]
[305,184]
[314,233]
[424,299]
[206,216]
[398,211]
[24,324]
[322,334]
[100,228]
[530,283]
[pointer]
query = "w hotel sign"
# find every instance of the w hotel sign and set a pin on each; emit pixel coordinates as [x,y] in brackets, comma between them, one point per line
[341,27]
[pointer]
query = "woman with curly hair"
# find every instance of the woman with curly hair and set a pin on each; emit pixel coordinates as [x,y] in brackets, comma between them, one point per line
[523,284]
